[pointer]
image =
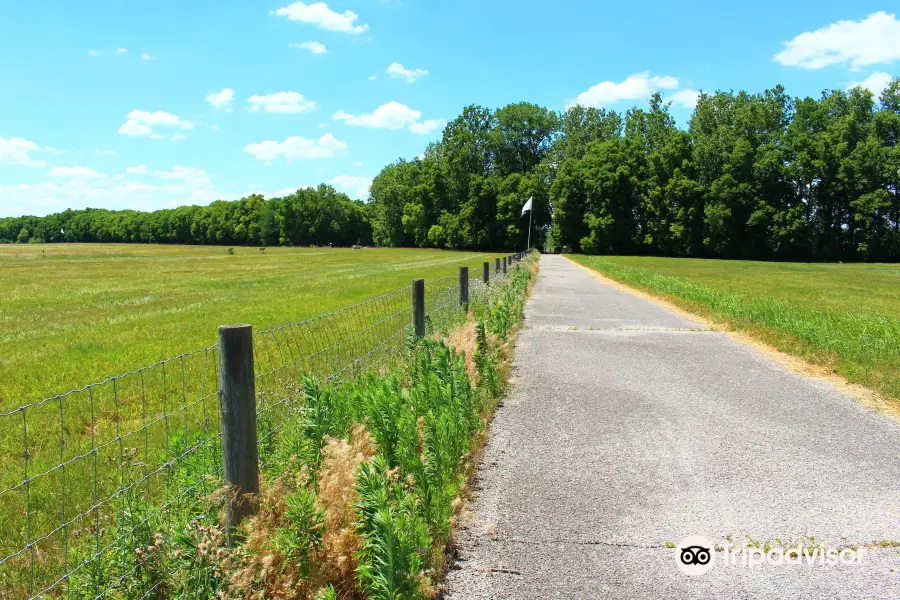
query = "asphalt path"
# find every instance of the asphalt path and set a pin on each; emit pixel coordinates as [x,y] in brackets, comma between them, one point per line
[630,427]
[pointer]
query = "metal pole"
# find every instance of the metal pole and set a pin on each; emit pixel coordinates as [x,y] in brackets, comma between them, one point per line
[530,214]
[240,453]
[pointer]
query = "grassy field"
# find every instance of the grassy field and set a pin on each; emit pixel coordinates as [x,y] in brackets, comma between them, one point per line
[72,315]
[845,317]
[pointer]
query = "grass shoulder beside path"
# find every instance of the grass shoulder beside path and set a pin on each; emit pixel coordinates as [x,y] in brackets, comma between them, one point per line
[845,317]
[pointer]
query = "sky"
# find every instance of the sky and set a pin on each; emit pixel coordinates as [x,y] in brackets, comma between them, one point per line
[147,105]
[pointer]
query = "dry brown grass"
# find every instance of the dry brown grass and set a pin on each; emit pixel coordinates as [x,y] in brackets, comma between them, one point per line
[337,496]
[263,572]
[462,339]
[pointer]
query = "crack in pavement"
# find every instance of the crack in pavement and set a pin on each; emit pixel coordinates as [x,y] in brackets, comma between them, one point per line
[607,330]
[564,542]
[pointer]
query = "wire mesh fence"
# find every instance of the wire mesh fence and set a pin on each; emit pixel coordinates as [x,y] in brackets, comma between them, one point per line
[98,463]
[89,475]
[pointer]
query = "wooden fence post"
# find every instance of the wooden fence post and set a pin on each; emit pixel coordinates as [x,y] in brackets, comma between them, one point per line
[504,265]
[464,287]
[496,265]
[237,399]
[487,273]
[418,307]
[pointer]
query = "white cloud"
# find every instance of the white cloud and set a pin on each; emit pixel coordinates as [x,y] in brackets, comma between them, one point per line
[392,115]
[281,102]
[138,170]
[876,82]
[93,53]
[427,126]
[373,77]
[16,151]
[122,50]
[221,99]
[196,182]
[182,186]
[686,98]
[313,47]
[289,191]
[398,71]
[146,56]
[296,147]
[357,164]
[874,40]
[321,16]
[359,186]
[106,152]
[141,123]
[131,127]
[75,173]
[639,86]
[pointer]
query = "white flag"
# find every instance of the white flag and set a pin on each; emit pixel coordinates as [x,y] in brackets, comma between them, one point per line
[527,206]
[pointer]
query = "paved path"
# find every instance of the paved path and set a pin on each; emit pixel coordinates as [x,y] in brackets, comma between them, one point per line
[630,426]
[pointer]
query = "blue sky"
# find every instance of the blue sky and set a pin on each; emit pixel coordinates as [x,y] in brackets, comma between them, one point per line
[156,104]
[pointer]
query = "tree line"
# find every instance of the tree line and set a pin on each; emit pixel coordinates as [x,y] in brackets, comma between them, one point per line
[308,217]
[752,176]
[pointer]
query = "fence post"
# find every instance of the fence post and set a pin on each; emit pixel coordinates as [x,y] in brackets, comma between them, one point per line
[464,287]
[418,307]
[237,399]
[504,265]
[496,265]
[487,273]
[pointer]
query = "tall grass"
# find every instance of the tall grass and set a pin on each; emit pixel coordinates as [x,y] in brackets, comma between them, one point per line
[851,333]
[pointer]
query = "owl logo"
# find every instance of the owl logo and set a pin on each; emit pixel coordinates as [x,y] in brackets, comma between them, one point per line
[695,555]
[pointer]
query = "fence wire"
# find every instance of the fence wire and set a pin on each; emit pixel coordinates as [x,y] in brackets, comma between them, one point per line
[90,475]
[97,464]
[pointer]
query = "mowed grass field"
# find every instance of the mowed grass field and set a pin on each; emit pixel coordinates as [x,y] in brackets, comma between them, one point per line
[73,315]
[845,317]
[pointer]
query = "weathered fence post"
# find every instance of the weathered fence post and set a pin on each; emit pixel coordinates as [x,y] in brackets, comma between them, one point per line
[237,399]
[496,265]
[418,307]
[504,265]
[487,273]
[464,287]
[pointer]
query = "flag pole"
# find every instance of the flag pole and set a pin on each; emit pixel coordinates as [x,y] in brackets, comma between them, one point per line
[530,213]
